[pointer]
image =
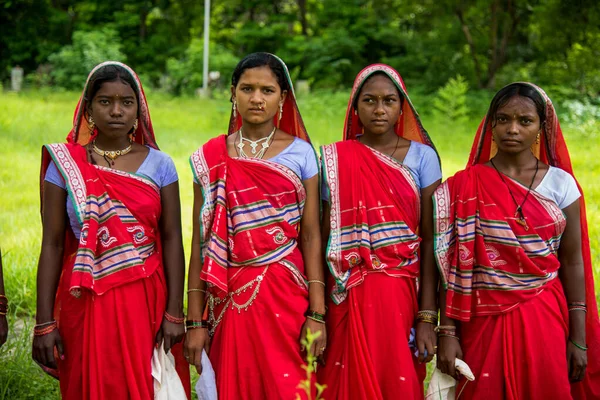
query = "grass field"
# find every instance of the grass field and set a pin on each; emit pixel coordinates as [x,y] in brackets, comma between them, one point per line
[29,120]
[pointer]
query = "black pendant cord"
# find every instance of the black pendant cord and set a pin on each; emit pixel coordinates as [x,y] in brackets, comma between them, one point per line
[519,210]
[390,155]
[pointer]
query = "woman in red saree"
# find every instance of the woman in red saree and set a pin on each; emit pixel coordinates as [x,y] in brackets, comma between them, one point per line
[256,249]
[111,269]
[378,223]
[513,251]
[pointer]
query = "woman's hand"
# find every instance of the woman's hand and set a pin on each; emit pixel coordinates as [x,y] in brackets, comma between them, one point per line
[320,343]
[43,349]
[196,340]
[577,362]
[426,339]
[3,329]
[448,351]
[171,333]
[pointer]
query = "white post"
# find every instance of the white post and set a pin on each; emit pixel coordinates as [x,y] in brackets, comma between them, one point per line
[206,45]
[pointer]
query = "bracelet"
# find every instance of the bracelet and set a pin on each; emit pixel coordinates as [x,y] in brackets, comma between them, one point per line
[194,324]
[578,303]
[315,316]
[45,328]
[173,319]
[428,320]
[445,327]
[3,297]
[317,281]
[448,335]
[580,347]
[196,290]
[578,308]
[428,316]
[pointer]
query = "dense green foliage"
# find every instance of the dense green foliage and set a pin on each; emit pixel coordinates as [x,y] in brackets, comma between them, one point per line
[555,43]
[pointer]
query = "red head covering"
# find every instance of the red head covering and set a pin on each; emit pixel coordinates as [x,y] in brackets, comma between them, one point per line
[80,133]
[291,120]
[409,124]
[553,151]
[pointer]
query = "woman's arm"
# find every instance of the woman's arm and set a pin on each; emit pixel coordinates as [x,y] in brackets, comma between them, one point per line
[196,339]
[572,276]
[428,283]
[310,237]
[49,270]
[174,264]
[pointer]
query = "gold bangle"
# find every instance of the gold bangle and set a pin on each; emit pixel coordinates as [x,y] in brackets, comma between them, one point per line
[315,319]
[317,281]
[196,290]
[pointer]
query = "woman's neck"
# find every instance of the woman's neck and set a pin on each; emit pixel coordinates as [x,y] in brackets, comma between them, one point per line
[107,143]
[256,132]
[379,140]
[514,162]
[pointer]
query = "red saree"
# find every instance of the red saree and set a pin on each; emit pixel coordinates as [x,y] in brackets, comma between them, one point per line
[258,293]
[373,256]
[112,292]
[501,278]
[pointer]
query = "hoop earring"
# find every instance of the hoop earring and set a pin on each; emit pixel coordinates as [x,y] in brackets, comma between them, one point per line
[234,109]
[280,110]
[91,124]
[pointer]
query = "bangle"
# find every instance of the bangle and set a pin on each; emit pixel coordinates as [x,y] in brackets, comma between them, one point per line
[577,303]
[173,319]
[448,335]
[315,316]
[3,297]
[196,290]
[580,347]
[194,324]
[578,308]
[317,281]
[45,328]
[428,316]
[445,327]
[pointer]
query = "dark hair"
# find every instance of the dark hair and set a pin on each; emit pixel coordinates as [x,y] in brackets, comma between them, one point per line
[512,90]
[256,60]
[377,73]
[110,73]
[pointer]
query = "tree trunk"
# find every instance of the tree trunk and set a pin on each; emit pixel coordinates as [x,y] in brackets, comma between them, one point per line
[303,21]
[467,33]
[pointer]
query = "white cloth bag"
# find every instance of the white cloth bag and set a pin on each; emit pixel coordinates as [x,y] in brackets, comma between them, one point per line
[443,387]
[206,387]
[167,384]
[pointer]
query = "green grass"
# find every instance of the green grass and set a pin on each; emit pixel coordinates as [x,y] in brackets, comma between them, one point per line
[29,120]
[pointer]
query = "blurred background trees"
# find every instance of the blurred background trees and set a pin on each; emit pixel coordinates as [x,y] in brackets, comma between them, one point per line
[483,44]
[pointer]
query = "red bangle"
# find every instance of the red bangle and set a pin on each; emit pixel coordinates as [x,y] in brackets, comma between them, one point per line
[173,319]
[45,328]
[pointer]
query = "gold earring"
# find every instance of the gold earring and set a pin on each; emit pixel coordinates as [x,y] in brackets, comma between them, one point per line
[91,123]
[135,125]
[280,110]
[234,109]
[537,138]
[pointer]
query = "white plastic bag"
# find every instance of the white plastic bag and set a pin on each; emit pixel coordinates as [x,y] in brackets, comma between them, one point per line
[442,386]
[206,387]
[167,384]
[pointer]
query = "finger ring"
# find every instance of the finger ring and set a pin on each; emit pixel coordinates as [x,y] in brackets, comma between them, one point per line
[435,347]
[186,357]
[323,349]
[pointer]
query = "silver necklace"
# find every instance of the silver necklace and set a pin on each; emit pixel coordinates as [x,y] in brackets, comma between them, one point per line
[264,145]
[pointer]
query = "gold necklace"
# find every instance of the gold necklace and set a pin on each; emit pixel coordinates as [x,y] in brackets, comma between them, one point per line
[112,154]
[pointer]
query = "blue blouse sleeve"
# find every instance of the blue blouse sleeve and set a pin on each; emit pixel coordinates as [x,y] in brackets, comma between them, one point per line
[168,172]
[311,166]
[54,177]
[429,168]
